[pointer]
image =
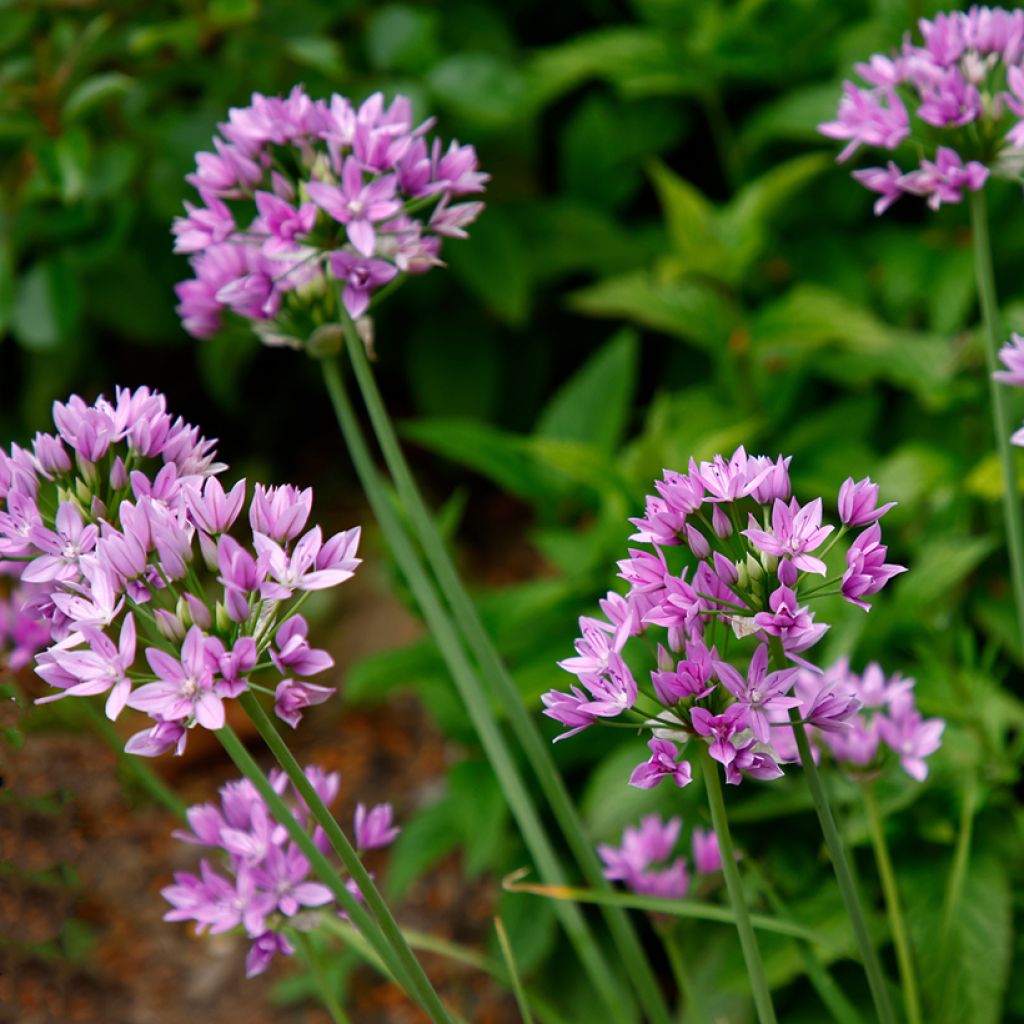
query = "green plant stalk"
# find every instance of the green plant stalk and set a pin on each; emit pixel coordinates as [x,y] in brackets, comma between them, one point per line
[897,923]
[694,1012]
[831,995]
[494,670]
[361,917]
[510,962]
[840,862]
[961,859]
[601,974]
[349,858]
[734,884]
[323,987]
[994,338]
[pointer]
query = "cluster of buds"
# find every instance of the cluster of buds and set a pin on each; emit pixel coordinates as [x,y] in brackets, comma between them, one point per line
[955,103]
[760,558]
[304,199]
[122,530]
[264,885]
[644,864]
[22,635]
[862,721]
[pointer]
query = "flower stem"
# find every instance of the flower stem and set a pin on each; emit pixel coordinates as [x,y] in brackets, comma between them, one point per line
[349,857]
[897,923]
[840,862]
[312,957]
[694,1012]
[1012,509]
[494,670]
[601,974]
[733,882]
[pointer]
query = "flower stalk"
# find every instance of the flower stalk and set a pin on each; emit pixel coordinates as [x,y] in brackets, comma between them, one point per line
[1001,422]
[734,884]
[897,922]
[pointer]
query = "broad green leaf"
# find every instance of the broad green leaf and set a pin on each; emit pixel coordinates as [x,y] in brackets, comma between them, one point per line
[502,457]
[685,309]
[95,91]
[940,566]
[494,265]
[794,116]
[422,842]
[964,978]
[323,55]
[486,90]
[595,403]
[480,812]
[46,306]
[403,38]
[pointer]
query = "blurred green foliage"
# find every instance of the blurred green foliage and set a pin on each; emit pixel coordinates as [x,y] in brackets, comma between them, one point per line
[670,265]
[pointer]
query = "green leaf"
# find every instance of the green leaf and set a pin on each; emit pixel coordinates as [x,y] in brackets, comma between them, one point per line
[939,567]
[402,38]
[685,309]
[231,13]
[319,53]
[484,89]
[502,457]
[422,842]
[46,306]
[94,91]
[494,265]
[480,812]
[966,980]
[595,403]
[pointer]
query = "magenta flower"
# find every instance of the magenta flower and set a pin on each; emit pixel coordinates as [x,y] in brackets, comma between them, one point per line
[707,858]
[301,193]
[721,729]
[374,828]
[664,763]
[293,696]
[911,736]
[795,533]
[961,97]
[867,571]
[858,502]
[760,692]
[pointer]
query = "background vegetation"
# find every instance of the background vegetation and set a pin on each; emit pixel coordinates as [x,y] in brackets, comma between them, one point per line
[670,265]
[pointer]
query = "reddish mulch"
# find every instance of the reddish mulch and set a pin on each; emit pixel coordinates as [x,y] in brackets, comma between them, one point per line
[74,847]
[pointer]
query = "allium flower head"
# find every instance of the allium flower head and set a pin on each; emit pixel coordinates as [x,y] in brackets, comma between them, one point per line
[1012,357]
[304,202]
[862,721]
[953,103]
[261,880]
[131,583]
[705,646]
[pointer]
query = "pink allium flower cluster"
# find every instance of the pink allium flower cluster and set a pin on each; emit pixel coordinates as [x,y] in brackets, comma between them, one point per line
[635,862]
[859,719]
[304,200]
[957,100]
[125,535]
[747,558]
[262,882]
[1012,357]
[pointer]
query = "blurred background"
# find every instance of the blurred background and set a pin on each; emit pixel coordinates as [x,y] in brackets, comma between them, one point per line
[670,264]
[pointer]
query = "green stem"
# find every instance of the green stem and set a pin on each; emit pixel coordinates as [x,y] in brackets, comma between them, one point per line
[831,995]
[840,862]
[961,858]
[694,1012]
[494,670]
[358,914]
[994,338]
[323,985]
[510,962]
[734,884]
[519,800]
[897,924]
[410,966]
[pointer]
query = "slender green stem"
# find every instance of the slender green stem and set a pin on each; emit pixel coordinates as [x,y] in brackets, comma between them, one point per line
[494,670]
[840,862]
[360,917]
[1013,512]
[694,1012]
[831,995]
[961,858]
[349,857]
[516,793]
[323,985]
[510,962]
[897,923]
[733,882]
